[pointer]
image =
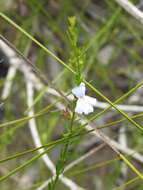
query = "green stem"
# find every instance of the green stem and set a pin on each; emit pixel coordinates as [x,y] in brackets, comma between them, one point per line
[72,122]
[25,164]
[63,157]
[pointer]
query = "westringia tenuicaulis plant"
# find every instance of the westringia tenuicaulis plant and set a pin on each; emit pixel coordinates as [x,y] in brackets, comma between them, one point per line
[84,103]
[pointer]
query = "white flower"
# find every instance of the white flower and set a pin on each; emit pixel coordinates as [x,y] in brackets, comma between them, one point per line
[84,103]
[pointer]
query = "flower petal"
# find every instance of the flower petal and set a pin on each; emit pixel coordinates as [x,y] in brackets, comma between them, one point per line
[88,108]
[79,91]
[79,106]
[90,100]
[83,107]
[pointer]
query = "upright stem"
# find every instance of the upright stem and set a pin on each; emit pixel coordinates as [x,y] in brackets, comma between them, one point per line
[63,157]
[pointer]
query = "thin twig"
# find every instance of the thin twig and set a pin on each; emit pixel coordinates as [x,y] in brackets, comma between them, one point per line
[131,9]
[126,108]
[85,156]
[9,78]
[122,138]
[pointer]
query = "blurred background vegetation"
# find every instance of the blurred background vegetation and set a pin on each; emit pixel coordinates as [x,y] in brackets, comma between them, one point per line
[113,40]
